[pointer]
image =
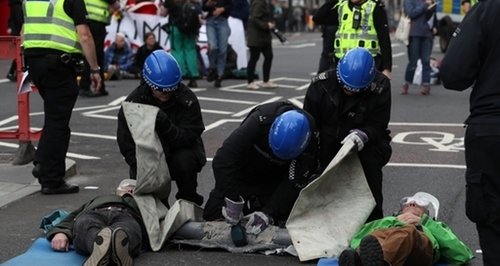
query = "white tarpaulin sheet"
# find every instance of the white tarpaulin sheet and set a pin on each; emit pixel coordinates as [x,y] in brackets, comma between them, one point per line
[153,178]
[331,209]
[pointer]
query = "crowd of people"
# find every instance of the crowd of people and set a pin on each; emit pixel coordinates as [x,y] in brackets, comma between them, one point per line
[279,148]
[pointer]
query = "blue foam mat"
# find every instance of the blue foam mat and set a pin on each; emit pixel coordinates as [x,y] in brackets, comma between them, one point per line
[41,254]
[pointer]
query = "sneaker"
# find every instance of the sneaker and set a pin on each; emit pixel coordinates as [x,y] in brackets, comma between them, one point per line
[349,257]
[252,86]
[192,83]
[404,89]
[218,82]
[120,254]
[100,252]
[370,252]
[269,85]
[425,90]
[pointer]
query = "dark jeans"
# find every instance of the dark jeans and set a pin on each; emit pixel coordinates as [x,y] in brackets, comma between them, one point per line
[255,51]
[56,83]
[482,204]
[98,31]
[419,48]
[88,225]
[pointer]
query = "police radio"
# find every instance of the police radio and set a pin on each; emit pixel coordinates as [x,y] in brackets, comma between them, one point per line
[356,18]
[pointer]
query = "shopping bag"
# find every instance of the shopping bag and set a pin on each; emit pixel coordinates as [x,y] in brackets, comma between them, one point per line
[403,30]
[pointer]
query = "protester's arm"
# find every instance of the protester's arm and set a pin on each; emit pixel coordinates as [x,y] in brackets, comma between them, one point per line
[384,39]
[452,249]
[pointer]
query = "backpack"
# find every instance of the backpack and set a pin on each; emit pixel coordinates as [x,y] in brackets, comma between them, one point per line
[189,22]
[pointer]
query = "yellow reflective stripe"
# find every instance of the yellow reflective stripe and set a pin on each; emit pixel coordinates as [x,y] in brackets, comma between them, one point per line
[53,38]
[98,11]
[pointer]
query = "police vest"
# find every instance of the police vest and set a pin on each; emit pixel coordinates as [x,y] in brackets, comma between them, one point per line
[46,25]
[365,35]
[98,11]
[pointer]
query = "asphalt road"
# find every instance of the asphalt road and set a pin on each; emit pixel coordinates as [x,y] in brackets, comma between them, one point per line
[427,131]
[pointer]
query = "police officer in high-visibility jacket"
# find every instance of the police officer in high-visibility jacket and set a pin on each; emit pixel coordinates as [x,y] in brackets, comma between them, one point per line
[363,23]
[55,34]
[99,17]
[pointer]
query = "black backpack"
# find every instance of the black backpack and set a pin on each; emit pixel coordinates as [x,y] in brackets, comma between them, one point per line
[189,22]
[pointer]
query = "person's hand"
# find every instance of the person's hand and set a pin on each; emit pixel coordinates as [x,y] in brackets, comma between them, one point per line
[60,242]
[271,25]
[409,218]
[233,211]
[115,6]
[218,11]
[387,73]
[257,222]
[358,137]
[163,11]
[95,82]
[162,122]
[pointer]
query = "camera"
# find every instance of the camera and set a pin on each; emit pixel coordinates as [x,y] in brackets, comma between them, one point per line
[279,35]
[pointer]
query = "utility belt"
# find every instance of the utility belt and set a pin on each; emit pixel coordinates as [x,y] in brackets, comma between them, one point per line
[74,61]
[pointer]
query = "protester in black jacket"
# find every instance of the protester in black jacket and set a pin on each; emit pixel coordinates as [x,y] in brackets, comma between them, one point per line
[179,123]
[249,171]
[150,45]
[473,59]
[355,104]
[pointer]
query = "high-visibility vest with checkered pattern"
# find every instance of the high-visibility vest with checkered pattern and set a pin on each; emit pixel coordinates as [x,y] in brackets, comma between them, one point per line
[98,10]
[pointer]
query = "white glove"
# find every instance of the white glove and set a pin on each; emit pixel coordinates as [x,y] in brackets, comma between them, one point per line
[358,137]
[233,211]
[257,222]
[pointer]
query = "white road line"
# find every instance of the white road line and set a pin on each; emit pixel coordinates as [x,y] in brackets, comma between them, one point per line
[398,54]
[90,135]
[221,122]
[303,87]
[8,120]
[211,99]
[4,80]
[296,102]
[287,86]
[291,79]
[295,46]
[118,101]
[208,111]
[426,124]
[231,89]
[454,166]
[95,113]
[245,111]
[90,107]
[68,154]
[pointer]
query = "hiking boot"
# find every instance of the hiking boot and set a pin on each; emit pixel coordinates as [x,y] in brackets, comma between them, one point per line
[192,83]
[425,90]
[102,247]
[120,253]
[252,86]
[218,82]
[404,89]
[349,257]
[269,85]
[370,252]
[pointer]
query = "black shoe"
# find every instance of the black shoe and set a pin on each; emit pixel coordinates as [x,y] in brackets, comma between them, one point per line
[120,254]
[349,257]
[12,77]
[192,83]
[101,251]
[89,93]
[36,171]
[212,75]
[370,252]
[65,188]
[218,83]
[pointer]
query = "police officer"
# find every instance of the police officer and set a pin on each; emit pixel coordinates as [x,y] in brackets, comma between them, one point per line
[99,17]
[262,165]
[363,23]
[55,35]
[473,59]
[353,102]
[179,123]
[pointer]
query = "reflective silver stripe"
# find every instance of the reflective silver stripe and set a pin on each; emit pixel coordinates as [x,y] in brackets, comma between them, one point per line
[366,18]
[51,20]
[49,37]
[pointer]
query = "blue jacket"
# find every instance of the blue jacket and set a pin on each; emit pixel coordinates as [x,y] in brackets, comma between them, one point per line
[125,57]
[420,14]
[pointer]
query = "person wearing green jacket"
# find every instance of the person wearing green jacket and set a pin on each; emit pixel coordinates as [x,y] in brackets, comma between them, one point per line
[411,237]
[108,228]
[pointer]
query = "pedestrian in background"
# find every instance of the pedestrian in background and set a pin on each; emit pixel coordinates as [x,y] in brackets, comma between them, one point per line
[473,59]
[53,54]
[259,40]
[150,45]
[99,17]
[118,58]
[218,32]
[353,102]
[323,17]
[422,14]
[15,23]
[363,23]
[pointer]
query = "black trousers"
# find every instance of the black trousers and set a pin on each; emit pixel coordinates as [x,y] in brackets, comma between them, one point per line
[482,205]
[56,83]
[326,60]
[184,165]
[255,51]
[373,158]
[89,224]
[98,30]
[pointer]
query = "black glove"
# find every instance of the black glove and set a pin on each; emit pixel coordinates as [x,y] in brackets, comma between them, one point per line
[162,123]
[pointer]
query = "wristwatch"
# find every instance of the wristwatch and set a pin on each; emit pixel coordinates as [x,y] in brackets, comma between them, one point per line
[95,70]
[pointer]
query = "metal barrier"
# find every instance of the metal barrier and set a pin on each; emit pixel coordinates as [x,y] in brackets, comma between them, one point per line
[10,48]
